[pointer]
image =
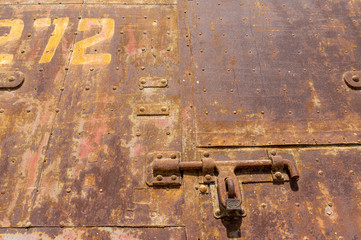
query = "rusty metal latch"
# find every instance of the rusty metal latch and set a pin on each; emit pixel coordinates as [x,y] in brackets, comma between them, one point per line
[167,171]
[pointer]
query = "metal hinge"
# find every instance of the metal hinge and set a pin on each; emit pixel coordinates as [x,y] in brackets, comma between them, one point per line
[167,168]
[10,80]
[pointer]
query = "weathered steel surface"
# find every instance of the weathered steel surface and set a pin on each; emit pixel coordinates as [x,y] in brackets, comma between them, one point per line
[96,156]
[92,233]
[77,147]
[27,112]
[270,72]
[325,204]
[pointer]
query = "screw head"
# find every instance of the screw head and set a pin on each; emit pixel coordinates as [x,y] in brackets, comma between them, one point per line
[159,178]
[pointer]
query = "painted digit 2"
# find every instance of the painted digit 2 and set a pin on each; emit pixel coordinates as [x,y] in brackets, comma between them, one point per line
[79,56]
[16,29]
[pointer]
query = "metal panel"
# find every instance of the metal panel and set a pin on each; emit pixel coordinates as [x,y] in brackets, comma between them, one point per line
[94,173]
[325,204]
[270,72]
[27,112]
[93,233]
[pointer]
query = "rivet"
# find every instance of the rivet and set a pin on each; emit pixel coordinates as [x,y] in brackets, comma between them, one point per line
[57,110]
[28,224]
[206,154]
[142,68]
[262,112]
[163,109]
[234,112]
[330,204]
[66,69]
[273,152]
[289,112]
[142,109]
[297,204]
[75,33]
[29,34]
[163,81]
[352,172]
[138,134]
[114,88]
[143,82]
[263,205]
[91,69]
[208,177]
[355,78]
[68,190]
[320,172]
[231,90]
[22,50]
[173,177]
[101,190]
[2,192]
[159,178]
[61,224]
[278,175]
[203,188]
[173,156]
[87,88]
[168,133]
[159,156]
[41,69]
[11,78]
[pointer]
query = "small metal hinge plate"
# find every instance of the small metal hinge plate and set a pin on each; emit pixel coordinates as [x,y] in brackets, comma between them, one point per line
[11,79]
[353,79]
[152,110]
[152,82]
[164,178]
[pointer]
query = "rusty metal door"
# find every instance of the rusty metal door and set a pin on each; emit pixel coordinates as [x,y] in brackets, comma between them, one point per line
[182,119]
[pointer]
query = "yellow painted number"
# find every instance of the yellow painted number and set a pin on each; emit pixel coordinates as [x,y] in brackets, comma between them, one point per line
[59,30]
[107,32]
[16,29]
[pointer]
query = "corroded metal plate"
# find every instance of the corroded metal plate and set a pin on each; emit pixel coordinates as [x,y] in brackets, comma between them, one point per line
[270,73]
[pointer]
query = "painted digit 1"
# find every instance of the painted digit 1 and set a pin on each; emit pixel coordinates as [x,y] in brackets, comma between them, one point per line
[16,29]
[59,30]
[79,56]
